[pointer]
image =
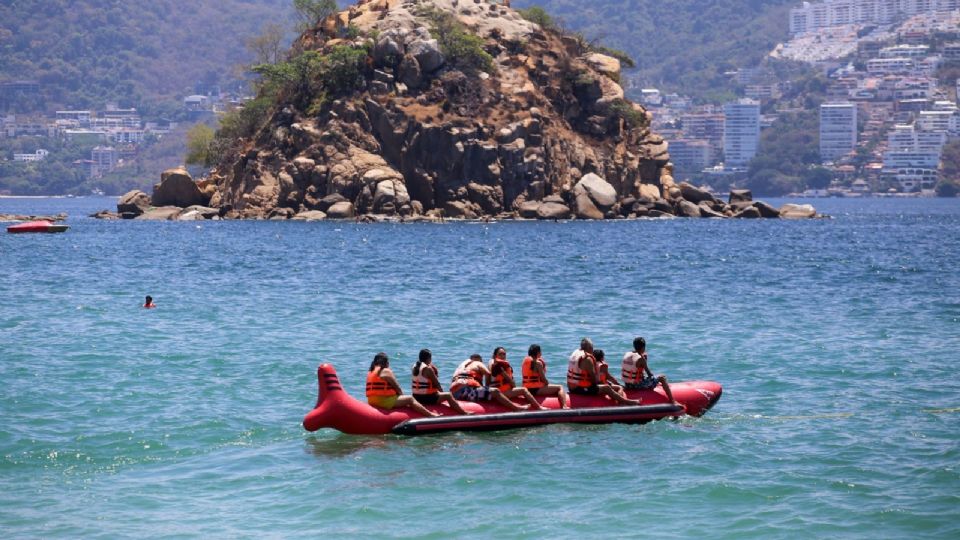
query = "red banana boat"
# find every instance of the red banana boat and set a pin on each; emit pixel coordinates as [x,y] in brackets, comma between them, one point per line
[336,409]
[37,227]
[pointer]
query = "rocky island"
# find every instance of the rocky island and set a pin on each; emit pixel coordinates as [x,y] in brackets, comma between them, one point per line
[425,110]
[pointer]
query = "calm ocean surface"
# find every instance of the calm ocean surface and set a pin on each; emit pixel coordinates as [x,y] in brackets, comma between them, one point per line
[836,342]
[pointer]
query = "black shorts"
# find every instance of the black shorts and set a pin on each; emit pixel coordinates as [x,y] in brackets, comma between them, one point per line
[535,390]
[586,390]
[427,399]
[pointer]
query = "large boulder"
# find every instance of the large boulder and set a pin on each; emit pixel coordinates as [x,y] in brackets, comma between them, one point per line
[603,195]
[707,211]
[687,209]
[387,52]
[662,205]
[553,210]
[750,212]
[177,188]
[133,202]
[694,194]
[586,209]
[410,72]
[766,210]
[310,215]
[797,211]
[607,65]
[459,210]
[650,191]
[203,211]
[163,213]
[327,202]
[528,209]
[341,210]
[428,55]
[740,195]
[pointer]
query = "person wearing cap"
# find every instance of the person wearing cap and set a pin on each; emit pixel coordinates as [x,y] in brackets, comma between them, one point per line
[636,372]
[582,376]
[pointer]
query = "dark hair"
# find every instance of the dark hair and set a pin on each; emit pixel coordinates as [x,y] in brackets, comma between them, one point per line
[498,349]
[598,354]
[380,360]
[149,299]
[639,344]
[476,356]
[533,351]
[425,355]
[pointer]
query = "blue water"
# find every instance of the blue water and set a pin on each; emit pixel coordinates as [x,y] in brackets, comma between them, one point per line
[836,342]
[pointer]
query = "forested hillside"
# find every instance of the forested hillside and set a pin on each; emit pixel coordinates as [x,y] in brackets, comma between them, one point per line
[87,52]
[680,45]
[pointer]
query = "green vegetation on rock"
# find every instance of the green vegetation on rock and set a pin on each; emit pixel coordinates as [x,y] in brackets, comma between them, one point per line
[538,15]
[462,49]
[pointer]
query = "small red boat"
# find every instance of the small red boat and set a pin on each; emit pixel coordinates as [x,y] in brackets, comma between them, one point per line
[37,227]
[336,409]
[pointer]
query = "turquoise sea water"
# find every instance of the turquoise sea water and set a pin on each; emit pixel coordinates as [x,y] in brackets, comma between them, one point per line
[836,342]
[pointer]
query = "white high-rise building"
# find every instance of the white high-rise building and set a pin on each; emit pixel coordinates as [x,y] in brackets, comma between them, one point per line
[741,131]
[838,130]
[809,17]
[912,157]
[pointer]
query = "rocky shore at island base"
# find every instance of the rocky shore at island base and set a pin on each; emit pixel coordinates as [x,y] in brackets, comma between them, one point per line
[179,198]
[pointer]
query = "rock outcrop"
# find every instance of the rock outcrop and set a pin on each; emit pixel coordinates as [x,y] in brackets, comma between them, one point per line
[177,188]
[427,135]
[542,132]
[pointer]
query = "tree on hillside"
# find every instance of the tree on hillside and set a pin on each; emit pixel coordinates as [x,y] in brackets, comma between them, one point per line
[311,12]
[949,185]
[817,178]
[788,150]
[267,48]
[198,145]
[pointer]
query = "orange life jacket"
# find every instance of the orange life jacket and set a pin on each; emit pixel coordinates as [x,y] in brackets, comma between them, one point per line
[466,377]
[577,377]
[377,386]
[531,377]
[632,371]
[504,373]
[421,385]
